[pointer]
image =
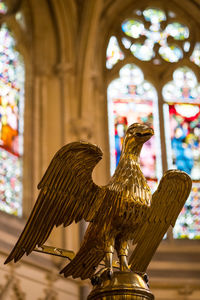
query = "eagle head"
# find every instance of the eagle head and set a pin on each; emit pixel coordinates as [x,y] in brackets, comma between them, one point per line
[136,135]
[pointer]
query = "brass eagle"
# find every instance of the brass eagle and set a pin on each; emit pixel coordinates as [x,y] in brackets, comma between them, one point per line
[121,211]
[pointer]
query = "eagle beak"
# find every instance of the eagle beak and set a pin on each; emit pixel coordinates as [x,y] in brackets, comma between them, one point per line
[146,134]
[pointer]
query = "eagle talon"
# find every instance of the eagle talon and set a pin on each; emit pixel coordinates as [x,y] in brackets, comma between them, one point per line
[109,273]
[96,280]
[145,277]
[102,274]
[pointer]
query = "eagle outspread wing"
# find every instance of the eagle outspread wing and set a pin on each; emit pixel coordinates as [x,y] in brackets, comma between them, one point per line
[167,202]
[67,194]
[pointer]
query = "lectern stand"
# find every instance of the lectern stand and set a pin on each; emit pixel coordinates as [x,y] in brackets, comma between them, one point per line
[122,286]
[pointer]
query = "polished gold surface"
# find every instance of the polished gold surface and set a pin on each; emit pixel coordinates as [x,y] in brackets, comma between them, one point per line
[65,254]
[55,251]
[122,285]
[121,211]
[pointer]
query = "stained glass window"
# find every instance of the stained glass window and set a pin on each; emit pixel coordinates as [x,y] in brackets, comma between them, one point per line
[154,36]
[133,99]
[170,52]
[182,125]
[11,124]
[151,34]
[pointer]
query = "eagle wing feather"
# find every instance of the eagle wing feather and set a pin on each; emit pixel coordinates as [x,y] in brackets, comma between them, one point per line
[67,194]
[167,203]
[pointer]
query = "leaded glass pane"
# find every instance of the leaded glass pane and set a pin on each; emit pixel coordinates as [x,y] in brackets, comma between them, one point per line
[133,28]
[182,127]
[195,57]
[113,53]
[142,52]
[188,223]
[170,53]
[11,123]
[184,87]
[10,183]
[177,31]
[133,99]
[155,16]
[126,43]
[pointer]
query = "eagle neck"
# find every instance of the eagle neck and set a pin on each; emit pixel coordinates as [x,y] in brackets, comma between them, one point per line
[128,162]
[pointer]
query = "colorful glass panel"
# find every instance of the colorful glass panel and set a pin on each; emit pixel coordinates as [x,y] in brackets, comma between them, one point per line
[177,31]
[3,7]
[154,35]
[133,99]
[113,53]
[155,16]
[133,28]
[195,57]
[11,123]
[182,127]
[188,223]
[126,43]
[10,183]
[184,87]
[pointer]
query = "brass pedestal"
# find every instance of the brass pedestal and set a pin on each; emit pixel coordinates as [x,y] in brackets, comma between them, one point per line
[122,286]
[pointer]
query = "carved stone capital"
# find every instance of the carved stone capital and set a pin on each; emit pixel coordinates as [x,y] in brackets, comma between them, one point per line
[63,68]
[82,129]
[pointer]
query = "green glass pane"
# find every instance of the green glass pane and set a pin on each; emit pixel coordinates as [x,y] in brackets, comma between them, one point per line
[133,28]
[177,31]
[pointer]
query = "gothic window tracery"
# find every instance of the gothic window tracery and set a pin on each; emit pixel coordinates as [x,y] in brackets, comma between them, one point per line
[158,39]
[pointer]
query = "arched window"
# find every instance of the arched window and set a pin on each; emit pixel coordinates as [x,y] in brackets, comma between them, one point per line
[182,127]
[11,123]
[133,99]
[152,56]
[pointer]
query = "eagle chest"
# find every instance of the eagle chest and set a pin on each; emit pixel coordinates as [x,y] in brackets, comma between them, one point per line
[133,207]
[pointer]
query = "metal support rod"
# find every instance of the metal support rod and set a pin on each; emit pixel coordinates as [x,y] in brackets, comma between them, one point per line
[55,251]
[63,253]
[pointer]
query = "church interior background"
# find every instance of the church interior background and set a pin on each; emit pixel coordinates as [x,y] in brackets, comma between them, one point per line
[84,70]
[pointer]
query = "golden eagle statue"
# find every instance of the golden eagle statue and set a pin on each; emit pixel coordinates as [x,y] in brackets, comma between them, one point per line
[121,211]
